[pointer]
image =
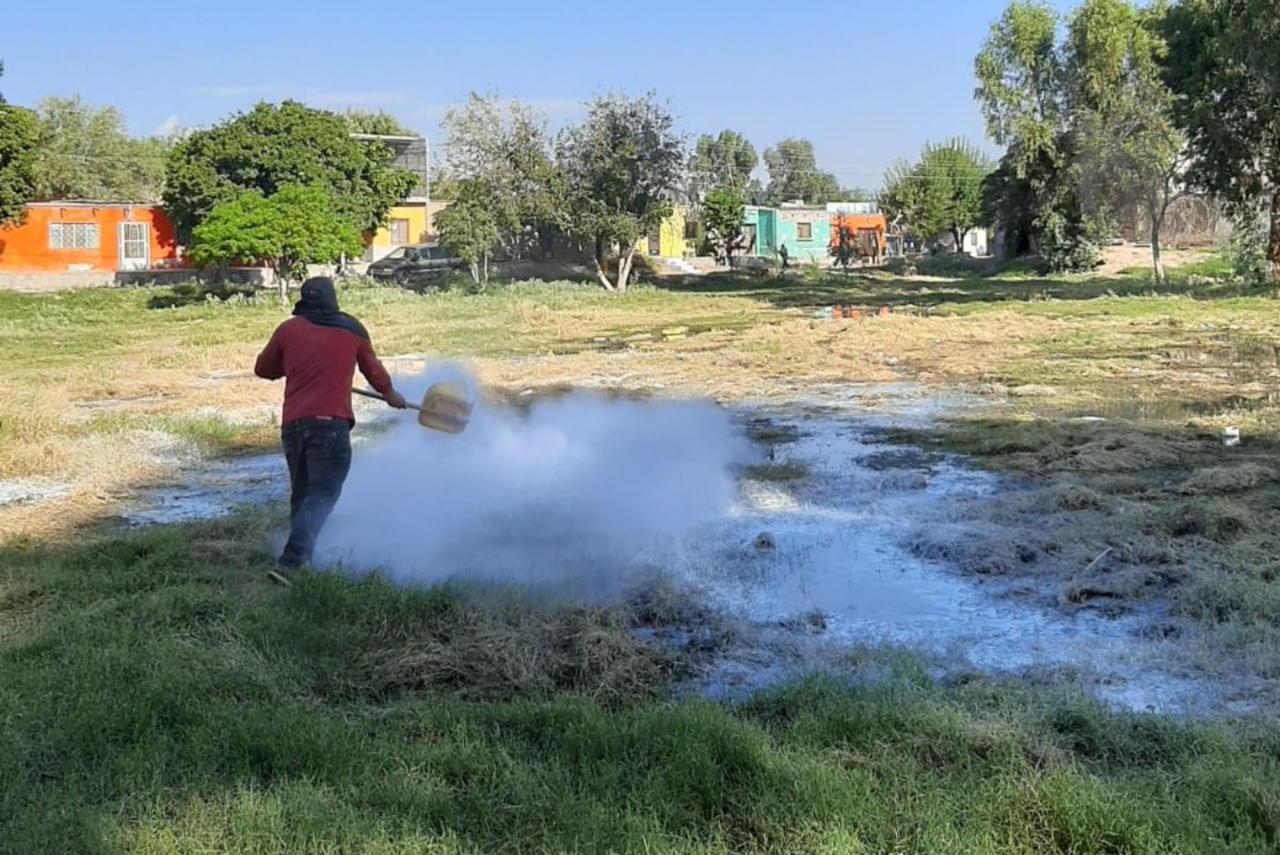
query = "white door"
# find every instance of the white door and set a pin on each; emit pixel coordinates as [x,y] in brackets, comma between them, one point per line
[133,246]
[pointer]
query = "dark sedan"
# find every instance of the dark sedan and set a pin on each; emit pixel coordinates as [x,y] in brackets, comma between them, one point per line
[406,265]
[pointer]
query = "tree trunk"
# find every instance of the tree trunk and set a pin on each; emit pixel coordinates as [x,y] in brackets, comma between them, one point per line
[484,276]
[1157,264]
[602,271]
[1273,242]
[282,280]
[603,276]
[959,236]
[474,268]
[624,266]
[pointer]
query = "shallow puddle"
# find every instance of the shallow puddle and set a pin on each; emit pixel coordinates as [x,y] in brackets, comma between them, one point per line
[837,545]
[812,568]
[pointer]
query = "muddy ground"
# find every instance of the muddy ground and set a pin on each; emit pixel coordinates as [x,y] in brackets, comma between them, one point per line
[859,533]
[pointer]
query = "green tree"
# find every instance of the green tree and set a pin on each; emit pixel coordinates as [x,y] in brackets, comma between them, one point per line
[794,175]
[621,166]
[942,192]
[722,213]
[468,230]
[1223,65]
[1025,99]
[288,230]
[1122,113]
[726,160]
[502,149]
[378,122]
[85,152]
[271,147]
[19,137]
[857,194]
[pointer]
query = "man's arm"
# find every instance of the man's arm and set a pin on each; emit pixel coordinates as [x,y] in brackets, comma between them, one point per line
[377,376]
[270,363]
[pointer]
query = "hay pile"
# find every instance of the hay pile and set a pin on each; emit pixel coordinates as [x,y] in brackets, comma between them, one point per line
[518,651]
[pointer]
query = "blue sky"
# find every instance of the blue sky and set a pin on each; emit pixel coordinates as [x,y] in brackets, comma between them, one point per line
[866,82]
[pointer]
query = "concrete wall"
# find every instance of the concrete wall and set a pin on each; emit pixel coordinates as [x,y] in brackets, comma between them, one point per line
[43,283]
[26,248]
[814,247]
[421,217]
[670,237]
[765,223]
[975,242]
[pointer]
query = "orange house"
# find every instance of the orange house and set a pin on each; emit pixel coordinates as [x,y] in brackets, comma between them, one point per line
[867,230]
[57,237]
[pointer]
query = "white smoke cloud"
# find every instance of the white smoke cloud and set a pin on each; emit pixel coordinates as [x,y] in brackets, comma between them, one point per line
[582,493]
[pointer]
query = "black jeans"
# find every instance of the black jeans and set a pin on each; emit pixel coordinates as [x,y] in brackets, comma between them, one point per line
[319,455]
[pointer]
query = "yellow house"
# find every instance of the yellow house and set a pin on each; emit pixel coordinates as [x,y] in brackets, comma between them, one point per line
[407,223]
[675,236]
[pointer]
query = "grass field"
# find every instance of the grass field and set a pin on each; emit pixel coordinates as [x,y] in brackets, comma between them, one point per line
[157,697]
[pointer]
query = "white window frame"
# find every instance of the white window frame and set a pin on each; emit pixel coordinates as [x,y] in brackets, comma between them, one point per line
[72,236]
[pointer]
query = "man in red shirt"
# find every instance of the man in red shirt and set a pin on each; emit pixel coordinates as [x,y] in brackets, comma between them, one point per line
[317,351]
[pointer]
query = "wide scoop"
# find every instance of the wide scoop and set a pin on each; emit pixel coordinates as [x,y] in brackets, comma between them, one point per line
[445,407]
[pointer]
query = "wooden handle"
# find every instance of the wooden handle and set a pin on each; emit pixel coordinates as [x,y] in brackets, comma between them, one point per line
[378,397]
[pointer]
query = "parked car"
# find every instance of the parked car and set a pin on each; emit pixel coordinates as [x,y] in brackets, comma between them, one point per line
[406,265]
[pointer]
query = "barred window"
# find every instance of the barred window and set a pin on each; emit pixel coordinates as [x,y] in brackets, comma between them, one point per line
[73,236]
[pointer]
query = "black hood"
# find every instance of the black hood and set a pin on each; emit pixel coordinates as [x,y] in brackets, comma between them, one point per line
[319,305]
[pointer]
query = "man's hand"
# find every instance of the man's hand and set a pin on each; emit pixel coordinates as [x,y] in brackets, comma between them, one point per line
[395,399]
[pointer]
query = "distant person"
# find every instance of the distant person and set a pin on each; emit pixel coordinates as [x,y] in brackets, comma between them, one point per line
[317,352]
[782,253]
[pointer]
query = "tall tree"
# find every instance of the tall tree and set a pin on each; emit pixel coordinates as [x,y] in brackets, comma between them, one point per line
[1121,113]
[467,229]
[272,146]
[942,192]
[722,212]
[1223,66]
[378,122]
[86,153]
[502,148]
[1020,91]
[726,160]
[288,230]
[794,174]
[19,136]
[1022,88]
[621,166]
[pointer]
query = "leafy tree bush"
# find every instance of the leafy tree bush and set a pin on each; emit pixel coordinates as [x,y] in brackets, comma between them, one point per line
[18,138]
[468,230]
[501,150]
[722,214]
[271,147]
[85,152]
[286,231]
[941,193]
[621,167]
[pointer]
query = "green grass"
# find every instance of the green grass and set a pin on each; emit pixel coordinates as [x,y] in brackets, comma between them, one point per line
[156,696]
[1213,266]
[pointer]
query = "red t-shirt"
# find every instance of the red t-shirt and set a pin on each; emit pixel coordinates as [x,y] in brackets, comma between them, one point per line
[318,364]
